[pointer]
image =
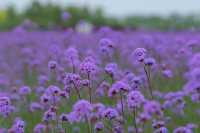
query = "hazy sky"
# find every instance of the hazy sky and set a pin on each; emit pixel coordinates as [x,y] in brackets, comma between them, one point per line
[123,7]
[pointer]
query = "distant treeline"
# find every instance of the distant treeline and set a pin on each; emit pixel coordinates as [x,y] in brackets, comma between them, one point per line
[49,15]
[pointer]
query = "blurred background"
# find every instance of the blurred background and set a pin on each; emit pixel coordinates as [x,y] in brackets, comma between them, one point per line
[131,14]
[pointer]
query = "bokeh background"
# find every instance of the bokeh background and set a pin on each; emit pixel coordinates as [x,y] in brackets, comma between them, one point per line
[148,14]
[73,38]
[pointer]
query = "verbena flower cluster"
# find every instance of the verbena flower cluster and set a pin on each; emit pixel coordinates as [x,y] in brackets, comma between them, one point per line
[103,81]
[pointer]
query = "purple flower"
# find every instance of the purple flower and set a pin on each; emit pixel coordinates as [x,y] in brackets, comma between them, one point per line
[5,106]
[106,46]
[67,89]
[153,108]
[35,106]
[19,126]
[149,61]
[51,95]
[88,67]
[135,99]
[129,76]
[3,130]
[192,89]
[111,69]
[195,98]
[39,128]
[194,61]
[161,130]
[85,82]
[98,108]
[71,78]
[175,101]
[64,94]
[49,115]
[45,99]
[52,90]
[82,107]
[99,126]
[167,73]
[63,117]
[110,113]
[182,130]
[194,74]
[102,88]
[118,129]
[42,79]
[118,87]
[39,90]
[52,65]
[4,101]
[143,118]
[139,54]
[158,124]
[192,126]
[105,42]
[72,57]
[25,90]
[71,54]
[73,117]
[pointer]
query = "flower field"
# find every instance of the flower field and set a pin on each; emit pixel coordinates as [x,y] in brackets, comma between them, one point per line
[103,81]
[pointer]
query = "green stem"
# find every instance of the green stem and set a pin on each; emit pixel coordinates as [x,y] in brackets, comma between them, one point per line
[134,117]
[149,81]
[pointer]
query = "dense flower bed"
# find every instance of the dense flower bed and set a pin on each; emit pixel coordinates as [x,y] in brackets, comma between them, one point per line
[101,81]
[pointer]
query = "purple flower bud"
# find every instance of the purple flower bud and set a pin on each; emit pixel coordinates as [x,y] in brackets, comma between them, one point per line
[25,90]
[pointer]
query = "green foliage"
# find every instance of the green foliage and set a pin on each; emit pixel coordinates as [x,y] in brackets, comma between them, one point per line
[49,14]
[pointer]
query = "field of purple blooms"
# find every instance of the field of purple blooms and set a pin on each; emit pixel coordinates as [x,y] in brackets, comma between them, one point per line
[103,81]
